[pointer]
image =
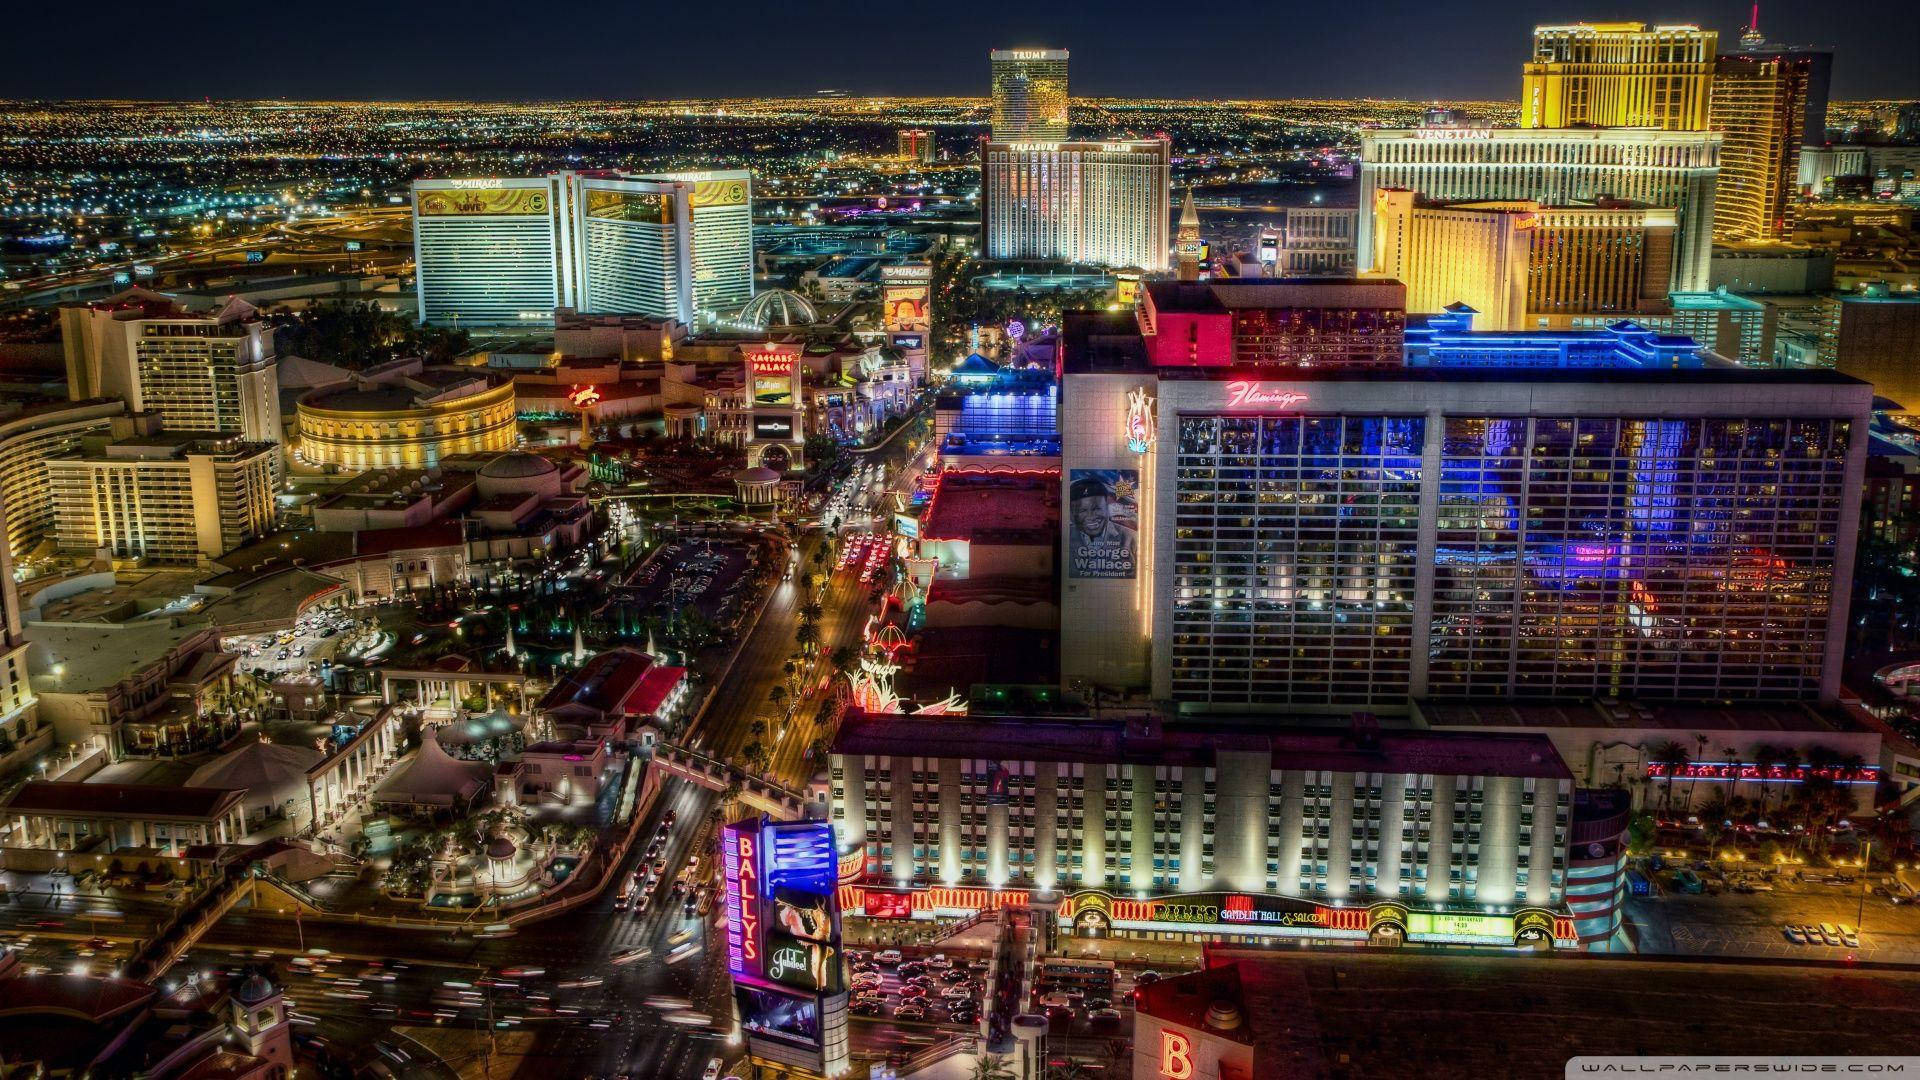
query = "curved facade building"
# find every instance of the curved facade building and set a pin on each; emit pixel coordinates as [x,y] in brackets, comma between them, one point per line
[411,422]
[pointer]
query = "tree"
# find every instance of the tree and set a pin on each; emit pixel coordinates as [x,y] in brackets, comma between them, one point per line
[758,729]
[806,635]
[1641,833]
[776,696]
[988,1067]
[810,611]
[1674,756]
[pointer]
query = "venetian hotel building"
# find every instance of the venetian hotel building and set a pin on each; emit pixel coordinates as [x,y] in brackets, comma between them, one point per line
[1513,515]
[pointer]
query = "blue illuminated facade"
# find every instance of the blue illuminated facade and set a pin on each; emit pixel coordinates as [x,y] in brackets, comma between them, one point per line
[1448,340]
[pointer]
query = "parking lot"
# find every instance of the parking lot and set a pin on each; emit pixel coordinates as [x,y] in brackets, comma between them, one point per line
[706,575]
[317,635]
[1752,924]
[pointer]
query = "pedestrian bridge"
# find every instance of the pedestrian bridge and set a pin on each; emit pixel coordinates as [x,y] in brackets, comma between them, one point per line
[715,775]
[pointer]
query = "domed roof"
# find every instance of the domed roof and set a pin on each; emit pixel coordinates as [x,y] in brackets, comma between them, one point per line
[500,848]
[759,474]
[517,465]
[779,307]
[254,990]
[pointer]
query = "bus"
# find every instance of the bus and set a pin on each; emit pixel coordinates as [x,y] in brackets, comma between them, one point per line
[1093,978]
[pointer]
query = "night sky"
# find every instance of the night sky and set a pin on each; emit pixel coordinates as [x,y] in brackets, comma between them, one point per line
[541,50]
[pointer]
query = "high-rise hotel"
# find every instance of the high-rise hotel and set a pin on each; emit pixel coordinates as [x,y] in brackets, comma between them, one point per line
[1584,167]
[1768,102]
[509,251]
[1029,95]
[1042,197]
[1516,515]
[1618,74]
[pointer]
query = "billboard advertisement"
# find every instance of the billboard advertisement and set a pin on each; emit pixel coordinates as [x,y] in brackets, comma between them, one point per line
[629,206]
[1102,531]
[728,192]
[888,905]
[909,342]
[774,369]
[904,308]
[482,202]
[775,1014]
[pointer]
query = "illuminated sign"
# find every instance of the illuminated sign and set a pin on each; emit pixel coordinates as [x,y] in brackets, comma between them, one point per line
[774,368]
[581,397]
[904,308]
[629,206]
[1141,427]
[1253,395]
[909,342]
[801,855]
[1176,1056]
[889,905]
[1452,134]
[1727,771]
[352,245]
[778,427]
[718,193]
[471,184]
[1426,923]
[740,867]
[907,274]
[482,201]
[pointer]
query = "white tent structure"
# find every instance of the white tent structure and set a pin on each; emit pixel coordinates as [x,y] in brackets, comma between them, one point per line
[434,780]
[273,775]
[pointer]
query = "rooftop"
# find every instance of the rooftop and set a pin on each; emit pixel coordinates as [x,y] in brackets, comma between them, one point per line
[81,658]
[121,800]
[603,684]
[994,507]
[1109,741]
[1256,293]
[1628,716]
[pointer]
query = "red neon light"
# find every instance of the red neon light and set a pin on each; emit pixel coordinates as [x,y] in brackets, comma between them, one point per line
[1252,395]
[750,900]
[1176,1056]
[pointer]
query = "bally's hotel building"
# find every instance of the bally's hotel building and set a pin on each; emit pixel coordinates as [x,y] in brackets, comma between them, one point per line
[506,252]
[1264,518]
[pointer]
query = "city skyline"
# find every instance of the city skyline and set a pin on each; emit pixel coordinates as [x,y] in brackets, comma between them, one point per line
[1196,57]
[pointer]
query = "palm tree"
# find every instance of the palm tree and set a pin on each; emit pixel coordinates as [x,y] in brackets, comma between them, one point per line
[810,611]
[776,696]
[806,635]
[1765,757]
[758,729]
[1674,756]
[987,1067]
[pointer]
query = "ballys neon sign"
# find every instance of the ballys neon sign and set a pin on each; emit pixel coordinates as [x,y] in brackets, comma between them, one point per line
[1252,395]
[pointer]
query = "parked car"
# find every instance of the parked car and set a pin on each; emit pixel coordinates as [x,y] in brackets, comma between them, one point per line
[1849,936]
[1794,934]
[887,956]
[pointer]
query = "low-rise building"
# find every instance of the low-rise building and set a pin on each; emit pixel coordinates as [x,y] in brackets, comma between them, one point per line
[154,686]
[405,415]
[104,818]
[1231,830]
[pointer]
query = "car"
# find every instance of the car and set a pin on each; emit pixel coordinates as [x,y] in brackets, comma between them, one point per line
[659,866]
[910,1011]
[865,980]
[1146,978]
[1814,936]
[667,822]
[887,956]
[1095,1004]
[391,1052]
[628,956]
[958,993]
[1104,1019]
[1794,934]
[1830,932]
[913,967]
[939,962]
[1848,936]
[955,975]
[861,967]
[909,992]
[866,1007]
[924,982]
[712,1071]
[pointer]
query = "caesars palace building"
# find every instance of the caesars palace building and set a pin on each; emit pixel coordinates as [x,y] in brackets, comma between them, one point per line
[1315,538]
